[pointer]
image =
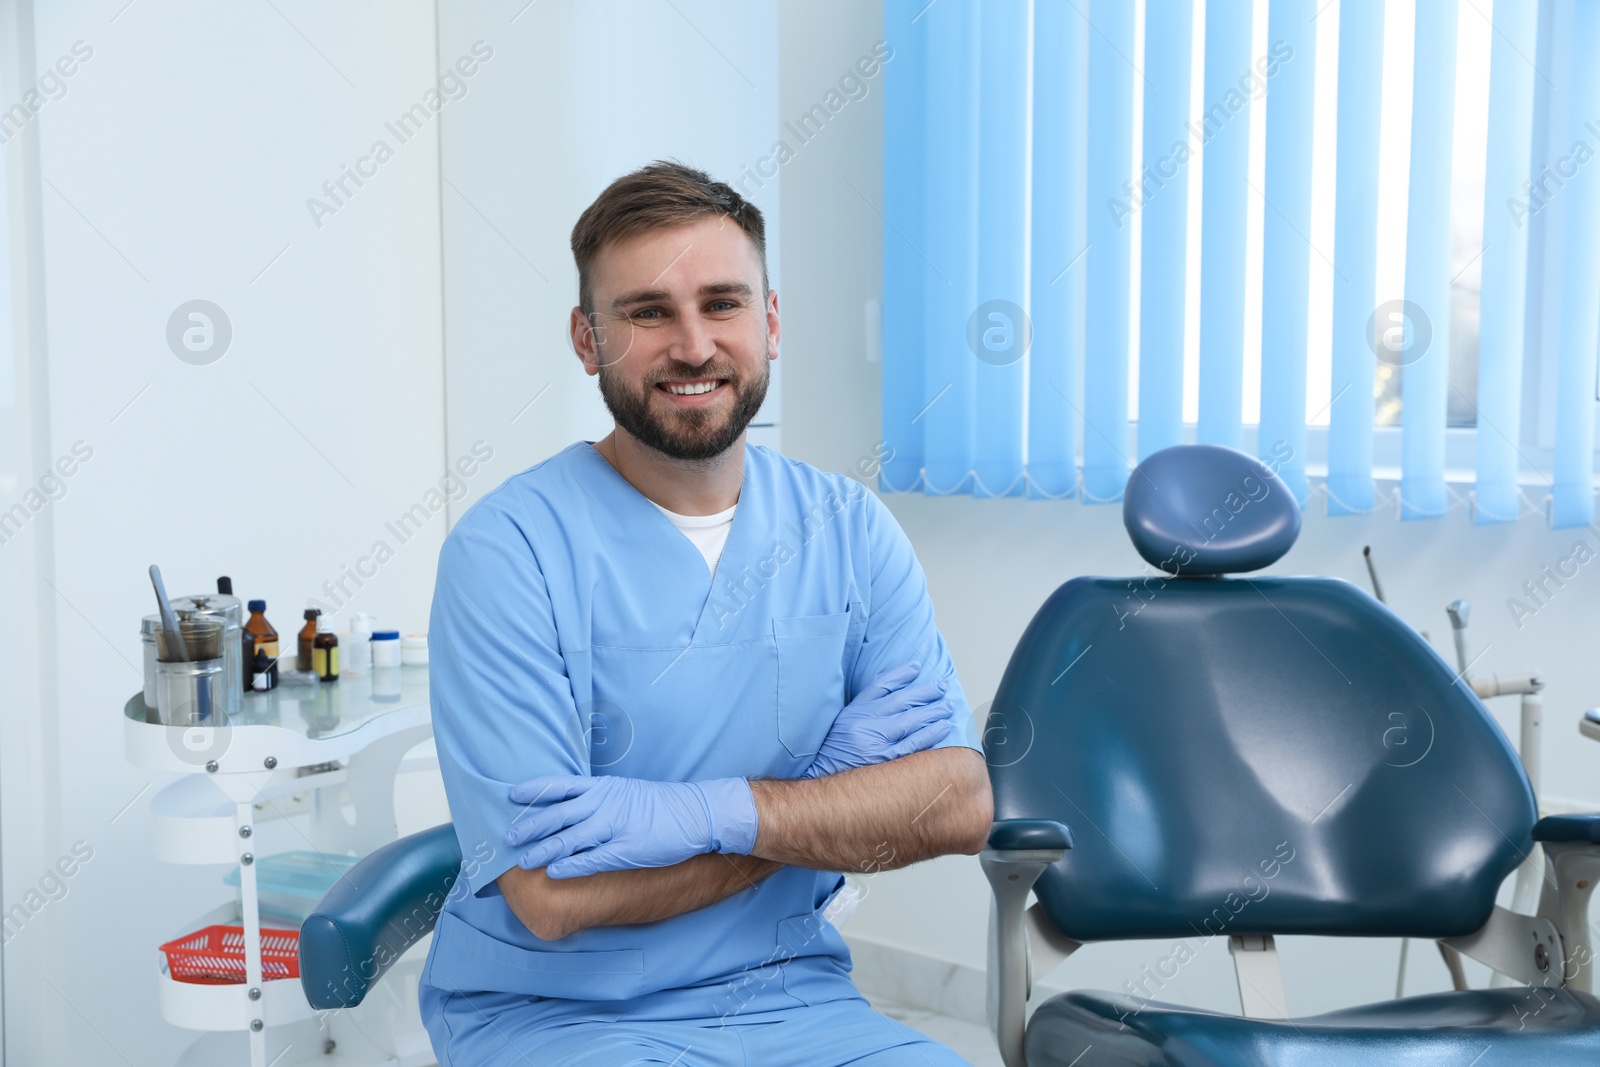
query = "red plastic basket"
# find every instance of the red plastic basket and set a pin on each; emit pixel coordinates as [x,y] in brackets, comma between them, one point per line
[215,955]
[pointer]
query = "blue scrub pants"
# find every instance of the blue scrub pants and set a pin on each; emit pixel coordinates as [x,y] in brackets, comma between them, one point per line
[836,1034]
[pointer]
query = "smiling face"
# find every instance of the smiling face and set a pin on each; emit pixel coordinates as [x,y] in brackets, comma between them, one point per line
[681,336]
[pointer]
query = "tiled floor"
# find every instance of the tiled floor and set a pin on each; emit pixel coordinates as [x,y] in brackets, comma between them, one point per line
[971,1041]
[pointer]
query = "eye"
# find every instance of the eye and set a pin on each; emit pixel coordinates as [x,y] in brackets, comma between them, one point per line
[649,314]
[724,305]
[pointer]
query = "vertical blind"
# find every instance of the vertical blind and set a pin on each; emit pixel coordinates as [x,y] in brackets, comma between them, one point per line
[1009,196]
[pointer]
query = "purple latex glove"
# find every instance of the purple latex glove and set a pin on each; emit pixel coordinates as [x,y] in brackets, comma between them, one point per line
[888,719]
[581,825]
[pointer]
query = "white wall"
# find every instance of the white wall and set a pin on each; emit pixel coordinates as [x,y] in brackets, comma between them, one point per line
[991,563]
[178,166]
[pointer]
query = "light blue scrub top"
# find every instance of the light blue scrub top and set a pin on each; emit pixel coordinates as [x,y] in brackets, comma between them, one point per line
[575,630]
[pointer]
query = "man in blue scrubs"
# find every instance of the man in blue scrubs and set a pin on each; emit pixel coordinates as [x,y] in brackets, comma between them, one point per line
[680,683]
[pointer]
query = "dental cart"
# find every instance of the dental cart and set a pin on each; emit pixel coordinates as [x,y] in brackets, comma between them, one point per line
[302,768]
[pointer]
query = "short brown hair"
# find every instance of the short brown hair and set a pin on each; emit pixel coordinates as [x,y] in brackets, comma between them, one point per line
[664,193]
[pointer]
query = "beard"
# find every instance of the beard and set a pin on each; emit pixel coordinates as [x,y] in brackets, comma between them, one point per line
[695,434]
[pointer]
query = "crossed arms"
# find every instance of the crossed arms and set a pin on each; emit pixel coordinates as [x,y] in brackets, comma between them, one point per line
[879,798]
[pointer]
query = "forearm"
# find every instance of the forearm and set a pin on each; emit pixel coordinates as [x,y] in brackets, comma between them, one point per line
[880,817]
[552,908]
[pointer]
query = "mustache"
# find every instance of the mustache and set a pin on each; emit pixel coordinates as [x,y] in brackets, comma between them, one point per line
[677,370]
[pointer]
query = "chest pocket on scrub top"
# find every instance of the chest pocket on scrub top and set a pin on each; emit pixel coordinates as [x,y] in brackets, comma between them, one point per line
[810,678]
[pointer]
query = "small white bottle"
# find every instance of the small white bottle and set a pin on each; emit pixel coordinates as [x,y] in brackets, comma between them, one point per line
[414,650]
[358,656]
[385,648]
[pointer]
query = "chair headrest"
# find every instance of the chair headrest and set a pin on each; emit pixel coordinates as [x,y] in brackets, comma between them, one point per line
[1198,510]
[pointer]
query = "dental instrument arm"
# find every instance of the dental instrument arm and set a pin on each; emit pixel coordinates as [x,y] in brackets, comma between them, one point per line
[1458,611]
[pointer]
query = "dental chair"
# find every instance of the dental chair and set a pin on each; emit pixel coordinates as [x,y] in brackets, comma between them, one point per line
[1195,753]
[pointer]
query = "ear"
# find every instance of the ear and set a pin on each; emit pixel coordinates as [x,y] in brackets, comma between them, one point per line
[585,340]
[774,326]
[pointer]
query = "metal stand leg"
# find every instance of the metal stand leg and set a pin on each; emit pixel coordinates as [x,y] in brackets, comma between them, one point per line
[250,907]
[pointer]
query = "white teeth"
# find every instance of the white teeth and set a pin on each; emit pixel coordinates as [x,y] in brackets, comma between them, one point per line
[691,389]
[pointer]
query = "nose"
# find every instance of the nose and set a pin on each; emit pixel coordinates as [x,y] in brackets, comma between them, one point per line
[694,343]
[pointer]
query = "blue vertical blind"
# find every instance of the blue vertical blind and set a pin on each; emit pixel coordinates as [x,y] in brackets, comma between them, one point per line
[1285,253]
[1501,323]
[1164,240]
[1355,257]
[1010,208]
[1224,190]
[1108,256]
[1580,282]
[1056,297]
[1426,382]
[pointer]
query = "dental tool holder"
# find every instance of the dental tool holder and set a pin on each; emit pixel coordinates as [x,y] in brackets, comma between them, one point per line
[1527,685]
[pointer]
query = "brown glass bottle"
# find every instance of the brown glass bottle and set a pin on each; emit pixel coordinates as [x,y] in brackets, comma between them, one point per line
[265,639]
[308,634]
[325,652]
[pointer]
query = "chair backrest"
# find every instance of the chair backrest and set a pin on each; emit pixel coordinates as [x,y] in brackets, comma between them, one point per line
[1244,755]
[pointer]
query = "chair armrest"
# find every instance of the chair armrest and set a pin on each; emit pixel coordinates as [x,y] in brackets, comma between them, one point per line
[1011,835]
[1018,853]
[378,909]
[1569,829]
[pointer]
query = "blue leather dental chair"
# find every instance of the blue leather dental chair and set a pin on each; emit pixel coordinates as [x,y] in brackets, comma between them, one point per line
[1195,753]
